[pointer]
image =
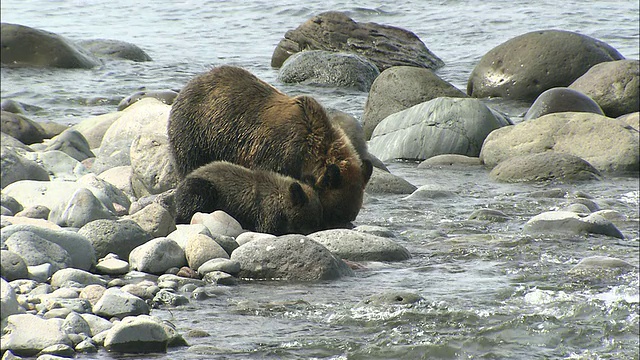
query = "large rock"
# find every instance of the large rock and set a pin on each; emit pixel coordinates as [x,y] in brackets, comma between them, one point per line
[358,246]
[399,88]
[202,248]
[153,171]
[155,220]
[115,194]
[157,256]
[12,267]
[525,66]
[383,182]
[546,166]
[568,222]
[94,128]
[25,46]
[114,236]
[288,257]
[438,126]
[140,334]
[328,68]
[36,250]
[383,45]
[614,85]
[27,334]
[72,143]
[117,303]
[8,299]
[610,145]
[82,208]
[109,48]
[21,128]
[15,167]
[75,278]
[562,100]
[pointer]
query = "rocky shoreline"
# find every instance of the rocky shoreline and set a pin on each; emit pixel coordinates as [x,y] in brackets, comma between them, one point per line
[89,242]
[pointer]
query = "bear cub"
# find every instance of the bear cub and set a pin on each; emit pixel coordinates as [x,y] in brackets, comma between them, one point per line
[262,201]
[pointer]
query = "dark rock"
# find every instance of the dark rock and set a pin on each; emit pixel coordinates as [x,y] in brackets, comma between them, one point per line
[21,128]
[72,143]
[383,182]
[165,96]
[13,266]
[562,100]
[114,236]
[35,250]
[114,49]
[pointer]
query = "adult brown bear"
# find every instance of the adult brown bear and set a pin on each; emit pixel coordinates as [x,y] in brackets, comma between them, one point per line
[260,200]
[229,114]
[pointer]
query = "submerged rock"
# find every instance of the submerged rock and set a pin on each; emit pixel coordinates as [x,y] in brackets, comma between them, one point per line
[358,246]
[570,222]
[115,49]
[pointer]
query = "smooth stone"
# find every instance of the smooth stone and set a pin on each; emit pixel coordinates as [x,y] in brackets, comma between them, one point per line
[112,266]
[288,257]
[569,222]
[15,168]
[35,212]
[170,298]
[12,106]
[165,96]
[155,220]
[10,203]
[614,85]
[157,255]
[9,300]
[562,99]
[139,334]
[153,171]
[82,208]
[21,128]
[201,248]
[115,49]
[383,182]
[179,280]
[72,143]
[577,208]
[594,263]
[114,236]
[93,293]
[431,192]
[27,335]
[59,165]
[96,323]
[13,266]
[75,244]
[439,126]
[219,264]
[615,149]
[329,68]
[218,223]
[117,303]
[75,278]
[56,352]
[36,250]
[357,246]
[94,128]
[112,192]
[248,236]
[41,273]
[491,215]
[450,161]
[86,347]
[183,232]
[76,324]
[120,178]
[399,88]
[543,167]
[525,66]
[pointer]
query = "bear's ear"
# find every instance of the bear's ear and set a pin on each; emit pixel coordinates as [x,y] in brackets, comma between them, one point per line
[331,178]
[297,194]
[367,169]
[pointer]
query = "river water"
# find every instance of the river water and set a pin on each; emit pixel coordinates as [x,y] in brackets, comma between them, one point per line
[489,290]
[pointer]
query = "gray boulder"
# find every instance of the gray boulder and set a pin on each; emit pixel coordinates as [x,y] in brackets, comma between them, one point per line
[438,126]
[450,161]
[112,191]
[8,299]
[15,167]
[218,223]
[76,245]
[399,88]
[140,334]
[358,246]
[613,149]
[116,49]
[155,220]
[219,264]
[25,46]
[27,334]
[614,85]
[571,223]
[82,208]
[114,236]
[59,165]
[288,257]
[165,96]
[10,203]
[202,248]
[117,303]
[21,128]
[383,45]
[382,182]
[12,266]
[11,142]
[72,143]
[35,250]
[562,100]
[546,166]
[157,256]
[525,66]
[328,68]
[153,171]
[75,278]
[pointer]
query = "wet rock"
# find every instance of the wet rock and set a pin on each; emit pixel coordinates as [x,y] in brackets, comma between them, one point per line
[328,68]
[572,223]
[76,245]
[220,278]
[157,256]
[15,167]
[489,215]
[614,85]
[595,263]
[96,323]
[8,299]
[399,88]
[117,303]
[152,166]
[25,46]
[375,230]
[525,66]
[108,48]
[82,208]
[21,128]
[562,99]
[218,222]
[13,266]
[72,143]
[382,182]
[393,298]
[87,346]
[170,298]
[288,257]
[139,334]
[27,335]
[547,166]
[357,246]
[155,220]
[450,161]
[165,96]
[219,264]
[438,126]
[576,208]
[12,106]
[94,128]
[431,192]
[114,236]
[383,45]
[201,248]
[75,278]
[35,212]
[614,149]
[35,250]
[11,142]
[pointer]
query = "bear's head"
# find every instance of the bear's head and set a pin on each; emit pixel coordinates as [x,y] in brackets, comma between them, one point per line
[303,213]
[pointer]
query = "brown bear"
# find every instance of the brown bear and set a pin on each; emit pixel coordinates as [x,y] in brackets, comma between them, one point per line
[229,114]
[260,200]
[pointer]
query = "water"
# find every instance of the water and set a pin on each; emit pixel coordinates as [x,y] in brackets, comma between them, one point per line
[489,290]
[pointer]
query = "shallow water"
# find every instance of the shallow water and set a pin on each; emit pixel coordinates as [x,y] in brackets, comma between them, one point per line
[490,291]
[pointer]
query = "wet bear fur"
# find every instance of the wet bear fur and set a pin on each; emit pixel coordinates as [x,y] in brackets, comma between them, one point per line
[229,114]
[262,201]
